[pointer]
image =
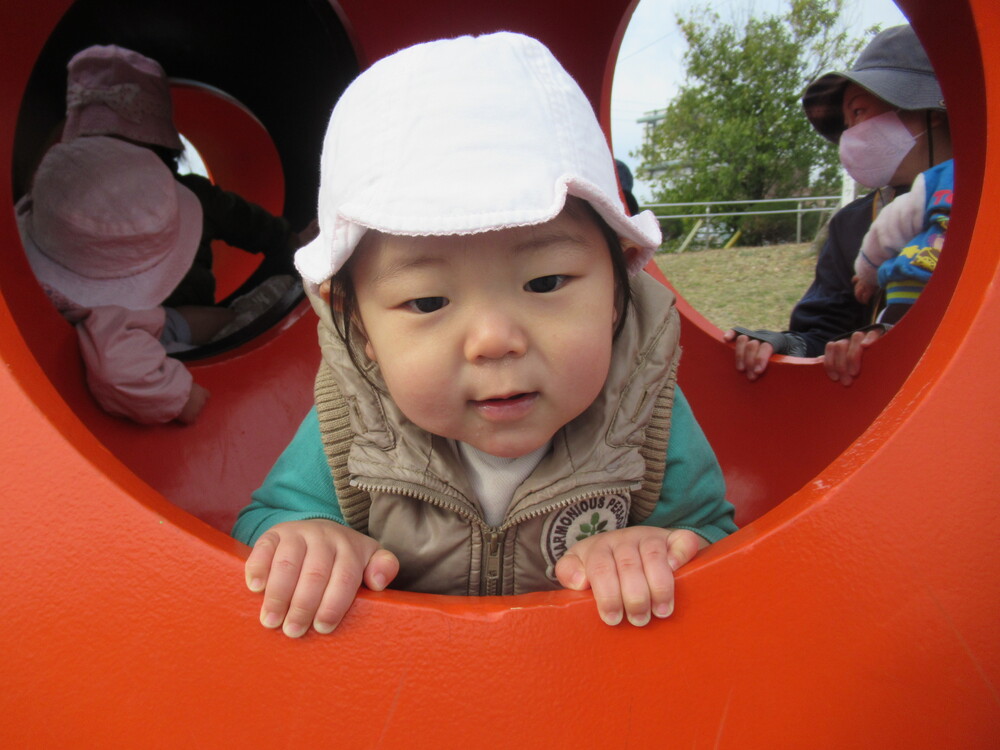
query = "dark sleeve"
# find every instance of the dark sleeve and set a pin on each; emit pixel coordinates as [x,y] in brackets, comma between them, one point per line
[828,308]
[236,221]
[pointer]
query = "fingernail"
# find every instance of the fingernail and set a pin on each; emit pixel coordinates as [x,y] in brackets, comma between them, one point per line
[256,585]
[294,631]
[324,628]
[639,621]
[663,610]
[673,562]
[378,580]
[271,620]
[576,582]
[612,618]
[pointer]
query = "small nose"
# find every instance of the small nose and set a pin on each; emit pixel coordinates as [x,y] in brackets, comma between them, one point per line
[494,335]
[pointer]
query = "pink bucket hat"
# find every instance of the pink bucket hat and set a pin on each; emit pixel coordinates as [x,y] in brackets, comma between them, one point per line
[461,136]
[115,91]
[109,224]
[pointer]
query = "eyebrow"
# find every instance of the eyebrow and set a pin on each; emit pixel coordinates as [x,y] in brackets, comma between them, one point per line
[548,238]
[397,267]
[570,241]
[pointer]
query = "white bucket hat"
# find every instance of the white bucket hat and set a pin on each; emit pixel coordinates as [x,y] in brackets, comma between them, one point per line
[462,136]
[109,224]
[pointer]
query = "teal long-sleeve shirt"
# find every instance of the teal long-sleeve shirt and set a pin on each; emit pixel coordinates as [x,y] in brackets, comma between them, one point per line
[300,486]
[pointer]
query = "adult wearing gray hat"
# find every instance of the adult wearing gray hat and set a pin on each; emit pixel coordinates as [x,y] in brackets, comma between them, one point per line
[887,115]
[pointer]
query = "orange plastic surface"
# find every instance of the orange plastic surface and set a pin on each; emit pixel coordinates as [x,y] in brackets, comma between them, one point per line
[858,607]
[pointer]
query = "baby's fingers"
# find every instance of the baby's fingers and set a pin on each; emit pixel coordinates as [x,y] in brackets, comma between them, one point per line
[632,579]
[570,572]
[258,564]
[381,570]
[341,589]
[659,571]
[316,577]
[349,570]
[602,573]
[281,579]
[682,546]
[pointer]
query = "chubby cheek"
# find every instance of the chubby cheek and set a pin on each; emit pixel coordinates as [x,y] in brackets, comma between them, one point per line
[419,385]
[584,366]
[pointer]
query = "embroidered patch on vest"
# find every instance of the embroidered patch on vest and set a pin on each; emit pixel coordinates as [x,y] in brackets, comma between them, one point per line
[581,520]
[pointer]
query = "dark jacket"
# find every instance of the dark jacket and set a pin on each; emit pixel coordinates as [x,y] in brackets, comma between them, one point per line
[236,221]
[828,309]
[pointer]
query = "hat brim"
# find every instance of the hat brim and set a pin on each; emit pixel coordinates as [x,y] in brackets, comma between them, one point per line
[908,90]
[140,291]
[322,258]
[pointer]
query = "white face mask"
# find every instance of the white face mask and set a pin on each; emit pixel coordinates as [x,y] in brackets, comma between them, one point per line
[872,150]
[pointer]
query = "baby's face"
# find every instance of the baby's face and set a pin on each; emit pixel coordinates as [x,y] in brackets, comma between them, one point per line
[496,339]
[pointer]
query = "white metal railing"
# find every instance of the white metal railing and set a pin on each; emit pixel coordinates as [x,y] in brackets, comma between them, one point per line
[828,203]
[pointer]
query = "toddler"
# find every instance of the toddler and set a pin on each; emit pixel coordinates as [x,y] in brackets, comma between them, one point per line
[108,233]
[117,92]
[902,247]
[496,407]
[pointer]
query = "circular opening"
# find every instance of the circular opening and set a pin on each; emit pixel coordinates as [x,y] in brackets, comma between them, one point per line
[257,115]
[782,409]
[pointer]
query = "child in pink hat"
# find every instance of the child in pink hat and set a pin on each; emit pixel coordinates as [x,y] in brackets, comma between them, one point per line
[109,233]
[117,92]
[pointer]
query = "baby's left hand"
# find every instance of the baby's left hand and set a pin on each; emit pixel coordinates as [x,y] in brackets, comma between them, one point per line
[630,570]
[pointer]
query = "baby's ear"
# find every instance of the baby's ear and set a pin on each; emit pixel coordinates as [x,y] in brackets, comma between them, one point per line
[633,253]
[362,336]
[636,257]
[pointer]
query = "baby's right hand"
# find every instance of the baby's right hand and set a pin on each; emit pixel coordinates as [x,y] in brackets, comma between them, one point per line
[863,290]
[310,571]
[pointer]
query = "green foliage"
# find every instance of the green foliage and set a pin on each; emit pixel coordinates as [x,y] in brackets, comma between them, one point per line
[736,130]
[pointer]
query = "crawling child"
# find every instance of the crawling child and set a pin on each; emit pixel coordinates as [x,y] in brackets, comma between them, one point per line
[496,408]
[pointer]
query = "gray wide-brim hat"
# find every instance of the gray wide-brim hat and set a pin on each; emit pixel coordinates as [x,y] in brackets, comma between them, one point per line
[894,67]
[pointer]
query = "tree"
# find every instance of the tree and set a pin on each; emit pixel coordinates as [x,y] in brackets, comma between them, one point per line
[736,130]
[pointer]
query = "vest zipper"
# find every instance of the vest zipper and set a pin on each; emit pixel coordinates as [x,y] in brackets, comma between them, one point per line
[493,583]
[489,583]
[544,509]
[493,536]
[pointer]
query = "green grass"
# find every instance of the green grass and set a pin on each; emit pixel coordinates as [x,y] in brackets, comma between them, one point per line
[754,287]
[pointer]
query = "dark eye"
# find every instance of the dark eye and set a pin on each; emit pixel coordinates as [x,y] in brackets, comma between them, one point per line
[545,284]
[427,304]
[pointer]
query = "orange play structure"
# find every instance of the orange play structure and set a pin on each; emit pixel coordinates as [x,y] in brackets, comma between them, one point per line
[857,606]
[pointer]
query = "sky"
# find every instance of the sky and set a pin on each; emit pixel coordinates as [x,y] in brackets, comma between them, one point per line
[650,62]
